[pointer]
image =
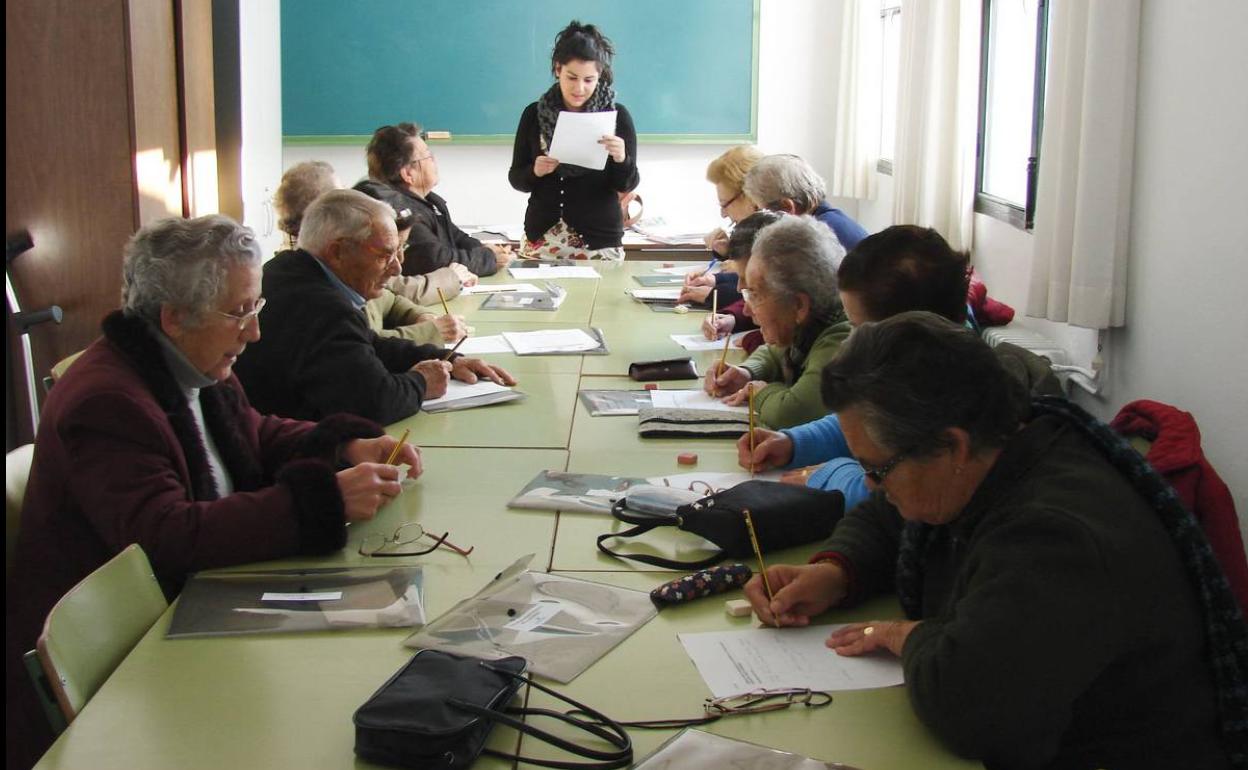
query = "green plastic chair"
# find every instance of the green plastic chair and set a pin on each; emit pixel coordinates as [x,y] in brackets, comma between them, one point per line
[94,626]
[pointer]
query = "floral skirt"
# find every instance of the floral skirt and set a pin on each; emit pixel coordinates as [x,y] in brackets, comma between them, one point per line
[562,242]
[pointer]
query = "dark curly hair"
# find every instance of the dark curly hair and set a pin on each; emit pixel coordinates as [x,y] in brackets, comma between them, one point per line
[586,43]
[905,267]
[390,150]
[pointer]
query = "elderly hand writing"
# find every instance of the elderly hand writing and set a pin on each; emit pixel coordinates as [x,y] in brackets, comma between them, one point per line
[742,396]
[801,592]
[469,370]
[502,254]
[723,379]
[717,241]
[451,327]
[772,449]
[694,293]
[466,277]
[366,487]
[437,374]
[861,638]
[716,325]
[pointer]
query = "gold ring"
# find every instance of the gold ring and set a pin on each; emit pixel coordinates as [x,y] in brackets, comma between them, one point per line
[868,630]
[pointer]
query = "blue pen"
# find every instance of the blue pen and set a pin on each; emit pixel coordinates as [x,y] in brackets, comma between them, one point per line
[711,265]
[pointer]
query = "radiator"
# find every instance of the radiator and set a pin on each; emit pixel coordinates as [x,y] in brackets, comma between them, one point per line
[1041,345]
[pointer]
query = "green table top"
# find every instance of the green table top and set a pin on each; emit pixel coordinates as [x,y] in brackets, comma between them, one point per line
[285,701]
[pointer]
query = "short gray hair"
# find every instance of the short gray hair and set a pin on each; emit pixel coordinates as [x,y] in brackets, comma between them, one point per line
[785,176]
[341,215]
[800,255]
[301,184]
[183,263]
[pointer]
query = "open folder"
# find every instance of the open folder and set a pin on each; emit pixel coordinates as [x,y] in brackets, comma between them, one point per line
[255,601]
[560,625]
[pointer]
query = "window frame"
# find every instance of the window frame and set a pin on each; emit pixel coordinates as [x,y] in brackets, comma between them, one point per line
[888,8]
[998,208]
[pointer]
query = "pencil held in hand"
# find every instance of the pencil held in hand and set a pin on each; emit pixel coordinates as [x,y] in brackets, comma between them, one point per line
[714,304]
[758,553]
[750,409]
[451,352]
[441,296]
[394,453]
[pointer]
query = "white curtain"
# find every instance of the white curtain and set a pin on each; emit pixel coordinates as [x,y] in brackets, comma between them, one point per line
[857,143]
[1083,199]
[937,109]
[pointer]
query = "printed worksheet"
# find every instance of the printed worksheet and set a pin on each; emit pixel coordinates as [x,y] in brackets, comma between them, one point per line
[700,342]
[576,138]
[733,662]
[691,399]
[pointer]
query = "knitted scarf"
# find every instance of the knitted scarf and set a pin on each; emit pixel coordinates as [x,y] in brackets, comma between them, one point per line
[1225,629]
[551,104]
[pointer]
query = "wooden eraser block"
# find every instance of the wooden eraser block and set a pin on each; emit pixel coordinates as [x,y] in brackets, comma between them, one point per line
[669,264]
[438,134]
[652,386]
[687,458]
[738,608]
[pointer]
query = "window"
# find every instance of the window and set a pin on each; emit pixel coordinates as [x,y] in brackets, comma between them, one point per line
[1011,108]
[890,52]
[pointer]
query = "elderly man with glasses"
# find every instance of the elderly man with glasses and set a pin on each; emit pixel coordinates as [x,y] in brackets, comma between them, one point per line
[403,171]
[318,355]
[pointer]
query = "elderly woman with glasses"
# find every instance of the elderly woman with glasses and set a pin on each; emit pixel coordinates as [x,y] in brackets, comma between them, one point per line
[727,172]
[790,291]
[1063,610]
[150,439]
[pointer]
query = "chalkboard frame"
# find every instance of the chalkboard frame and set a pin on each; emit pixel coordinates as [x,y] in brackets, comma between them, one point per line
[507,138]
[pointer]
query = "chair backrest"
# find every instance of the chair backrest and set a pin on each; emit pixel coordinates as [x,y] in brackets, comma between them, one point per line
[94,626]
[16,474]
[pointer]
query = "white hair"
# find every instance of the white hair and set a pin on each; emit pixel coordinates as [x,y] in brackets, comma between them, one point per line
[776,177]
[801,255]
[341,215]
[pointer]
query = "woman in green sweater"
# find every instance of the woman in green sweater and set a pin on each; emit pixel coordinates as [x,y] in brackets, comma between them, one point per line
[790,290]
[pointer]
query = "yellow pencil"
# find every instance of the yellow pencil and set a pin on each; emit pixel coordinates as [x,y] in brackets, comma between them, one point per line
[750,409]
[758,552]
[394,453]
[441,296]
[714,305]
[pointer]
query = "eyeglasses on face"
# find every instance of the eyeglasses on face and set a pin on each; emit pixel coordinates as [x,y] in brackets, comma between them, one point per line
[421,159]
[752,296]
[879,472]
[243,318]
[377,544]
[723,205]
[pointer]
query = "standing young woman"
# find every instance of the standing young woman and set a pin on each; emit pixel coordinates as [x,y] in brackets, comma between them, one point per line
[574,212]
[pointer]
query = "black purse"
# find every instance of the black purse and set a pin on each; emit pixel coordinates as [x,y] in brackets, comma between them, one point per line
[437,711]
[784,515]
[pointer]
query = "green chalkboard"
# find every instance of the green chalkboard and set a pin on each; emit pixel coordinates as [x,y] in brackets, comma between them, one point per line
[686,69]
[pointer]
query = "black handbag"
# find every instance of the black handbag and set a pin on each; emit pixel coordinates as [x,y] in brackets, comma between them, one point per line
[437,711]
[784,515]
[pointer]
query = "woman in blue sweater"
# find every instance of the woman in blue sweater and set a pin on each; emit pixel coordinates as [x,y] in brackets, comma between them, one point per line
[901,268]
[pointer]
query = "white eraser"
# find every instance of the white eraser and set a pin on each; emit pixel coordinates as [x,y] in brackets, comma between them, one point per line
[738,608]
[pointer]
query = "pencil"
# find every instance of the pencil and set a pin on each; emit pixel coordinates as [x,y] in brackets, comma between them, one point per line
[394,453]
[750,409]
[451,352]
[446,310]
[758,552]
[714,304]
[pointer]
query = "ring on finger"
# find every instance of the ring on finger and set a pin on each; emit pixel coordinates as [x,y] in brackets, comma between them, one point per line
[868,630]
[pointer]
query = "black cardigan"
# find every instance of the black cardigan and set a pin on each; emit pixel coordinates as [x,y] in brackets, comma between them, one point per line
[589,202]
[317,356]
[435,241]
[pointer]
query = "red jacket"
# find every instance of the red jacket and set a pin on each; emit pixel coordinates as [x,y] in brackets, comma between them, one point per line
[1176,454]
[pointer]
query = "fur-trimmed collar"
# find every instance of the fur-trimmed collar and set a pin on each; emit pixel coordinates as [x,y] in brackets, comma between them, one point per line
[223,407]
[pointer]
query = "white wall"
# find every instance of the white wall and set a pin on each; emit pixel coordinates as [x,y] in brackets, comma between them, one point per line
[798,61]
[261,117]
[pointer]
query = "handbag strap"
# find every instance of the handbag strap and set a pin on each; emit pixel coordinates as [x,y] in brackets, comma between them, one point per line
[655,561]
[601,726]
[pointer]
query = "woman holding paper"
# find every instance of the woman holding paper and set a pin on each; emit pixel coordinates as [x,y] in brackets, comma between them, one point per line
[574,210]
[1063,609]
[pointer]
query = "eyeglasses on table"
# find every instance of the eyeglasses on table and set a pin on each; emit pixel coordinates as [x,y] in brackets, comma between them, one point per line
[377,544]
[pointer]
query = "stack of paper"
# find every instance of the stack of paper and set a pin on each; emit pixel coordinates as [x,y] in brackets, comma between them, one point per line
[461,395]
[551,341]
[660,231]
[700,342]
[653,295]
[691,399]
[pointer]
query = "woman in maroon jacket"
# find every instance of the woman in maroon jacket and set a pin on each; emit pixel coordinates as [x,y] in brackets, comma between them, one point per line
[149,439]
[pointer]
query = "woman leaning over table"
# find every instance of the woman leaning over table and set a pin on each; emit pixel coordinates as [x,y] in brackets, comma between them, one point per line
[790,291]
[574,212]
[1064,610]
[727,173]
[149,438]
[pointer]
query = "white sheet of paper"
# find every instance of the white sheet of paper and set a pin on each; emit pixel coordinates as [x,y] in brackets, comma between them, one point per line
[456,390]
[493,233]
[672,294]
[554,271]
[475,346]
[732,662]
[692,399]
[550,341]
[682,269]
[576,138]
[700,342]
[494,288]
[321,596]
